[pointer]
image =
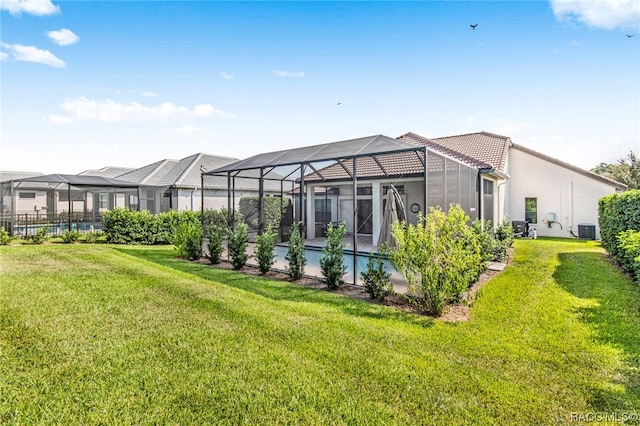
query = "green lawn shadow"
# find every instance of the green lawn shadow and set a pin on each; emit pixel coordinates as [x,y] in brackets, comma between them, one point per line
[615,318]
[275,289]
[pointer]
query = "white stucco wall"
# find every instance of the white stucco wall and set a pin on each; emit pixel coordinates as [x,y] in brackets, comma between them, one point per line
[571,196]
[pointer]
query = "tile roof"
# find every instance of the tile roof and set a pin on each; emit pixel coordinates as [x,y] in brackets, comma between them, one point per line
[451,149]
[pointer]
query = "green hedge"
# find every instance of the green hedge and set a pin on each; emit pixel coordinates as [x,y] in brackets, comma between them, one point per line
[629,248]
[617,214]
[123,226]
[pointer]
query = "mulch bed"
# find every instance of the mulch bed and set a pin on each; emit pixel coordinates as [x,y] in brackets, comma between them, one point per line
[453,313]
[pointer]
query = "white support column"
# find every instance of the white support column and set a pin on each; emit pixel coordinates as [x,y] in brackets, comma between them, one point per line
[376,210]
[311,212]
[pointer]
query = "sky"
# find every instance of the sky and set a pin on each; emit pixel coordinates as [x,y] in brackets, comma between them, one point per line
[89,84]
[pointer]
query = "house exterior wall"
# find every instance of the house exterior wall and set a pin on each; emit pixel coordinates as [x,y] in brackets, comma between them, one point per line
[570,196]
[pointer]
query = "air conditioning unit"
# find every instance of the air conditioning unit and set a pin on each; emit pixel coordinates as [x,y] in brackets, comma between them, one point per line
[586,231]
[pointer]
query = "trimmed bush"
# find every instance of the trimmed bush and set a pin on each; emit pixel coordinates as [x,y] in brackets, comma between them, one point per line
[263,252]
[376,280]
[40,236]
[70,236]
[331,263]
[629,252]
[439,257]
[188,240]
[495,244]
[123,226]
[214,245]
[5,238]
[237,245]
[295,254]
[616,213]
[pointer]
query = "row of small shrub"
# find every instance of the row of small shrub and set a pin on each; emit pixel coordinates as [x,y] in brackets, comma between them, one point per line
[123,226]
[619,220]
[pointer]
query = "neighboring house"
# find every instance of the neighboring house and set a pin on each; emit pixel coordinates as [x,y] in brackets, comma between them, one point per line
[108,172]
[176,184]
[26,201]
[557,199]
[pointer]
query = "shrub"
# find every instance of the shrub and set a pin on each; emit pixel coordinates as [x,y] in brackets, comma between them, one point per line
[331,263]
[221,219]
[263,252]
[495,244]
[376,279]
[163,226]
[629,252]
[5,238]
[39,237]
[214,245]
[295,254]
[616,213]
[93,237]
[439,257]
[123,226]
[70,236]
[188,241]
[237,245]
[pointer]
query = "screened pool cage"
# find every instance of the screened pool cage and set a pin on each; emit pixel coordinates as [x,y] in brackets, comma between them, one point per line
[59,203]
[342,182]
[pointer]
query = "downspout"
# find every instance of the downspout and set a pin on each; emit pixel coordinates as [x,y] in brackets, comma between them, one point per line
[499,185]
[571,214]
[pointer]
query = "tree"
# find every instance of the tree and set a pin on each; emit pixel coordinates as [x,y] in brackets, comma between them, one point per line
[626,170]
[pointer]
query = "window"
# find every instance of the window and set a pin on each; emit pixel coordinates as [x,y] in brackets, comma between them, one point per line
[364,190]
[323,210]
[103,200]
[531,210]
[31,195]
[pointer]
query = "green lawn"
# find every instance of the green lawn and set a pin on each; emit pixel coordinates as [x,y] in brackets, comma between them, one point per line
[130,335]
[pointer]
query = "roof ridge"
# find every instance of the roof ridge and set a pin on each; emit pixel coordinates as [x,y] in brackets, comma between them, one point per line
[448,151]
[187,169]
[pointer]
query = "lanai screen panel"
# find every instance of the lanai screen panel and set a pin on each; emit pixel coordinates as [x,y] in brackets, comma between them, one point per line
[317,153]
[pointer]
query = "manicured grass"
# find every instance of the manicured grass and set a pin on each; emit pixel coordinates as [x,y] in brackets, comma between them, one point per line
[130,335]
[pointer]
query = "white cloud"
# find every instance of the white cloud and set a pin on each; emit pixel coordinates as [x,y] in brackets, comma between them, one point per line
[188,129]
[109,111]
[292,74]
[150,94]
[18,52]
[3,56]
[63,37]
[225,76]
[607,14]
[32,7]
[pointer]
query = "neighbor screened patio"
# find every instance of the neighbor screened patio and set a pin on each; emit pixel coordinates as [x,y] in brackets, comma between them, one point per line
[60,202]
[346,181]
